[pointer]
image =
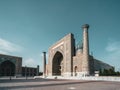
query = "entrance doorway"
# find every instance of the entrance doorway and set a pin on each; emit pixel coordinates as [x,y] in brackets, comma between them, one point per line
[75,70]
[57,64]
[7,68]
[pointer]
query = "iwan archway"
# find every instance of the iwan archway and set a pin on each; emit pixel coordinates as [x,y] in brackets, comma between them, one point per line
[7,68]
[57,64]
[60,61]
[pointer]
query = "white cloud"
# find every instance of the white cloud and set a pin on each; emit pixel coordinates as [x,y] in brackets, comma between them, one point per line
[113,46]
[3,52]
[30,62]
[113,53]
[8,47]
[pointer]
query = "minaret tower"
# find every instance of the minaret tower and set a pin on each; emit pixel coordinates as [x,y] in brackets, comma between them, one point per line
[44,64]
[85,62]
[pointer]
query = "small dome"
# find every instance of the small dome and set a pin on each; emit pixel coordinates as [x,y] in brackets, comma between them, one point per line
[79,45]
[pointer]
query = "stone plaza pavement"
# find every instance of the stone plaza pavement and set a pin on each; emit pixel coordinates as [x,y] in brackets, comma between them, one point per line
[56,84]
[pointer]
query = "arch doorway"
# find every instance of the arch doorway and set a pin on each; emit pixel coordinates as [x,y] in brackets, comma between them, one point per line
[57,64]
[7,68]
[75,70]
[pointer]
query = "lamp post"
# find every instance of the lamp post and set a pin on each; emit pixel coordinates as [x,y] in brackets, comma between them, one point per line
[10,68]
[26,72]
[10,73]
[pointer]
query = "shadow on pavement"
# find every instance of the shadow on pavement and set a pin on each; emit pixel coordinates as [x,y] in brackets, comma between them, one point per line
[27,80]
[44,85]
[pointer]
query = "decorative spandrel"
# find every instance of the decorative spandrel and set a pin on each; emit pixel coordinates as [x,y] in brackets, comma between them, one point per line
[2,59]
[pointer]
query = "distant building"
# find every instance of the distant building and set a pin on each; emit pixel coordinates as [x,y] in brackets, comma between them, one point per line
[30,71]
[12,66]
[66,59]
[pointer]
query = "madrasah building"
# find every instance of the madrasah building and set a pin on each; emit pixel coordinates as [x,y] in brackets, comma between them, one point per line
[12,66]
[66,59]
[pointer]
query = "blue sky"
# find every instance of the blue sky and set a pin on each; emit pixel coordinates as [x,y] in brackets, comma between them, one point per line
[29,27]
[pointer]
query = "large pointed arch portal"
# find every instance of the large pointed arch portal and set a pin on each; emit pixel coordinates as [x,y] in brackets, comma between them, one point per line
[60,60]
[57,64]
[7,68]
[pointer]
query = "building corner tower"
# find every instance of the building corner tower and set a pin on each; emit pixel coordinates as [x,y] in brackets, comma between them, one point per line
[85,62]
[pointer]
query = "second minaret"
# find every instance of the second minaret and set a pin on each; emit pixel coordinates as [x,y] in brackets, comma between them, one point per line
[85,62]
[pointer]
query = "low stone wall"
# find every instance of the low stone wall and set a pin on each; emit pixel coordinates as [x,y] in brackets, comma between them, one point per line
[100,78]
[107,78]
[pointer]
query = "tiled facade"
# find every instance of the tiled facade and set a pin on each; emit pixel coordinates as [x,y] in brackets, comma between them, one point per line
[30,71]
[12,66]
[11,61]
